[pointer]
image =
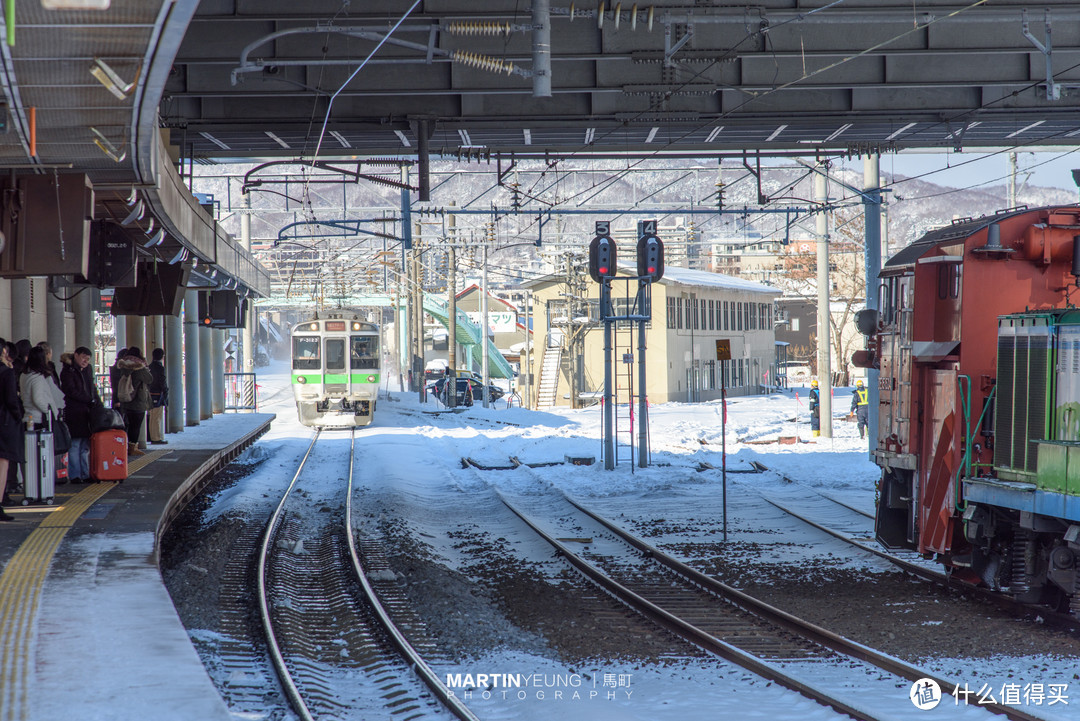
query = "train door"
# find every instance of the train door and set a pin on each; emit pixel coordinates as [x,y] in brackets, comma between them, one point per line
[335,364]
[941,454]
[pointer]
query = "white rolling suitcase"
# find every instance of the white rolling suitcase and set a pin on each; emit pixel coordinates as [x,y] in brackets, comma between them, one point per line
[39,468]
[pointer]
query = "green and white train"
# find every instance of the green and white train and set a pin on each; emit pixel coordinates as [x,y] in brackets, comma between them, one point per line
[336,369]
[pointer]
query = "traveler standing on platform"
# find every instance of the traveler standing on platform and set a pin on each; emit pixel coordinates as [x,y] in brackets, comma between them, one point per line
[860,406]
[11,427]
[80,392]
[114,375]
[49,362]
[815,409]
[22,351]
[40,396]
[133,398]
[159,398]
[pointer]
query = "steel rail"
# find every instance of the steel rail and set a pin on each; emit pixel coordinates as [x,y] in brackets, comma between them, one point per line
[406,649]
[274,648]
[688,631]
[782,618]
[1005,603]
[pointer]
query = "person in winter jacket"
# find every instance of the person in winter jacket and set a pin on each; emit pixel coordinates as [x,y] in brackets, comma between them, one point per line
[40,396]
[134,410]
[159,398]
[11,426]
[114,375]
[80,393]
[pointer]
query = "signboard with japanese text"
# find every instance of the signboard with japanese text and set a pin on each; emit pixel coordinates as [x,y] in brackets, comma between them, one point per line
[501,322]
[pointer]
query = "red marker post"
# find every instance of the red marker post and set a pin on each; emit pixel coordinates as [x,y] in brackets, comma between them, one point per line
[723,354]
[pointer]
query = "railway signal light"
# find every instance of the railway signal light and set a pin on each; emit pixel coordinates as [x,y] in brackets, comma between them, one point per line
[650,252]
[603,261]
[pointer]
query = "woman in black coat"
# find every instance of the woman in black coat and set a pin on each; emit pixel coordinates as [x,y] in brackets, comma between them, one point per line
[80,394]
[11,427]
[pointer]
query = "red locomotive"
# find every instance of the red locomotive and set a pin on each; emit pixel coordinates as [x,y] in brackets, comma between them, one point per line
[978,347]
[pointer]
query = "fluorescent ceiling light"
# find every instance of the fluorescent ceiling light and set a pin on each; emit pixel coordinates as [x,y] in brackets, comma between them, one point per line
[215,141]
[403,138]
[277,140]
[341,139]
[107,147]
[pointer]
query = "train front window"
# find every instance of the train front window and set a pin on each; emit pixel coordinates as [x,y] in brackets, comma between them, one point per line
[335,354]
[306,353]
[364,351]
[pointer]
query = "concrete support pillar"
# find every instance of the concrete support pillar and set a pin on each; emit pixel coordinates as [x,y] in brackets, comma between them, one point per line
[20,309]
[174,374]
[84,318]
[136,332]
[192,356]
[120,336]
[54,327]
[155,334]
[206,374]
[217,361]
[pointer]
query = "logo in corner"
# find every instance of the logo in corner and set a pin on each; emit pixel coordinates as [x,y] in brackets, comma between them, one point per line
[925,694]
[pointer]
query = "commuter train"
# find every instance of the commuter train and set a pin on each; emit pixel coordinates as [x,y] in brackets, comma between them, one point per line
[336,369]
[977,340]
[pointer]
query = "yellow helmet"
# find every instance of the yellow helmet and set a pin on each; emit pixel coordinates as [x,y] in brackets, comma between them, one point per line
[859,383]
[813,384]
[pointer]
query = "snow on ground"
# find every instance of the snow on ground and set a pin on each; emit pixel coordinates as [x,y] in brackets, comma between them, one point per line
[414,456]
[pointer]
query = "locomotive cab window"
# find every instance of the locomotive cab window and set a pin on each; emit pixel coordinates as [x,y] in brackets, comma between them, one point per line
[306,353]
[335,354]
[364,352]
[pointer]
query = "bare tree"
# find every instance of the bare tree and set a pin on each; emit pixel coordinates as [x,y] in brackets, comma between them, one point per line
[847,294]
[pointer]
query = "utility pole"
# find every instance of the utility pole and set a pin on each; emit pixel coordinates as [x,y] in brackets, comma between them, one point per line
[451,305]
[823,319]
[484,360]
[526,368]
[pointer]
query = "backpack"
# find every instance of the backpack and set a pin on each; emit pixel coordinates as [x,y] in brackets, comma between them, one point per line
[125,389]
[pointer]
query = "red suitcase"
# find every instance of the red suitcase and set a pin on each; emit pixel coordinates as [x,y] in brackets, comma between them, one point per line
[108,456]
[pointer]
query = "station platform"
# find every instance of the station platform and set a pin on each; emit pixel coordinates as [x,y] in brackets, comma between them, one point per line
[87,628]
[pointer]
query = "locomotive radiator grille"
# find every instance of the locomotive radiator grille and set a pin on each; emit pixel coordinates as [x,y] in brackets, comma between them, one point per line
[1003,446]
[1037,380]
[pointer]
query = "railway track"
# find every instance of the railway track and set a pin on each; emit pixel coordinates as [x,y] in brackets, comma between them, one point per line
[914,564]
[332,642]
[724,621]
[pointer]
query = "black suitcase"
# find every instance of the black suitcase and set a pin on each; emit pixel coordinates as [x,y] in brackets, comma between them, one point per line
[39,468]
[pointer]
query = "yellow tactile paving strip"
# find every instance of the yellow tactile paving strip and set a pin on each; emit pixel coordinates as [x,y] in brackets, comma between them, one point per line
[20,588]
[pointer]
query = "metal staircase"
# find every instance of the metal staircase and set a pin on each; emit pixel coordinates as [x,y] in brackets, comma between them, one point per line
[549,377]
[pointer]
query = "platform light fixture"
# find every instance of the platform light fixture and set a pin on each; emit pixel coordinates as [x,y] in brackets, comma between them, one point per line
[106,146]
[135,214]
[111,80]
[157,239]
[181,255]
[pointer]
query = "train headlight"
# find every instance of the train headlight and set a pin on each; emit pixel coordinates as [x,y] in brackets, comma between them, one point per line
[371,379]
[355,326]
[313,326]
[301,379]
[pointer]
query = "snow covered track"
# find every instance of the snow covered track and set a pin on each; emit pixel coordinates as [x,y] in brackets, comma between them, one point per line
[766,641]
[324,625]
[915,565]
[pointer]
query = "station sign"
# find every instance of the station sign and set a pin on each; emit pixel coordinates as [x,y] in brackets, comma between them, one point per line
[723,349]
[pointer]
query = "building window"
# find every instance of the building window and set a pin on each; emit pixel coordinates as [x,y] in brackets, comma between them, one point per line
[670,313]
[724,315]
[708,375]
[678,313]
[704,317]
[689,314]
[712,315]
[694,305]
[739,316]
[795,325]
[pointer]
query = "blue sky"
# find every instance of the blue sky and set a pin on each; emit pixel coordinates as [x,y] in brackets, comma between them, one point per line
[1049,169]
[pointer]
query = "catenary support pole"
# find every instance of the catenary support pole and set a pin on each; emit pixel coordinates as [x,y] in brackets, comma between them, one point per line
[451,314]
[823,319]
[174,374]
[526,367]
[192,356]
[872,211]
